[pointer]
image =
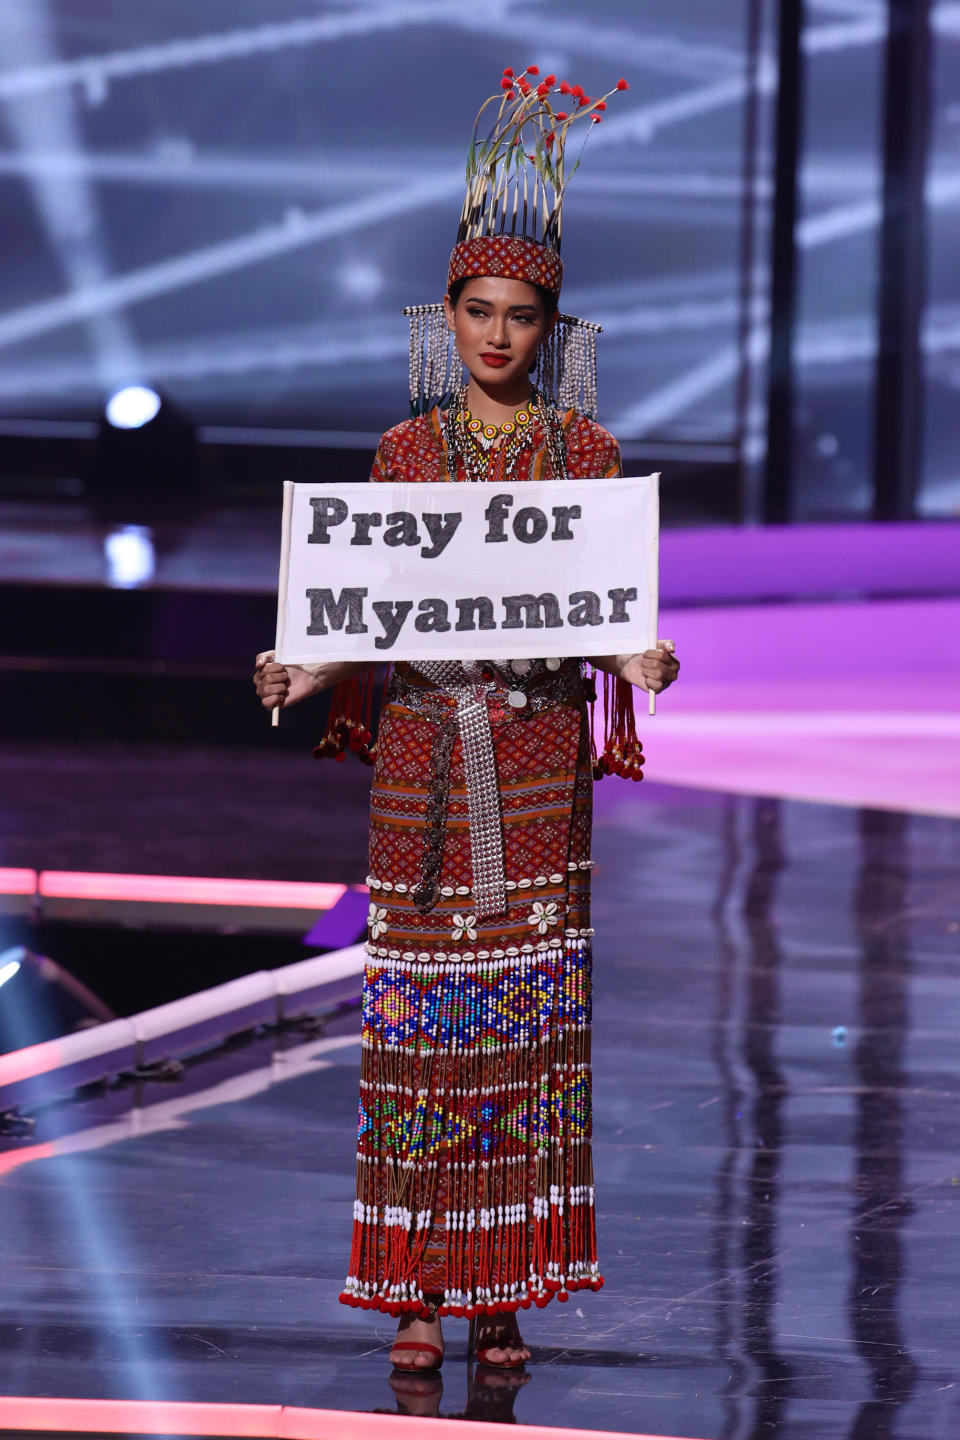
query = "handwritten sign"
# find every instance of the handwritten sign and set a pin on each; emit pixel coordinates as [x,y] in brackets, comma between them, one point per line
[438,571]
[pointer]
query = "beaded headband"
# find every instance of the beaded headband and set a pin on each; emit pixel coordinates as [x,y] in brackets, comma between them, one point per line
[509,256]
[511,227]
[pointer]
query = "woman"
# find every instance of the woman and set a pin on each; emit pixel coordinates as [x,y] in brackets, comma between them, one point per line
[474,1182]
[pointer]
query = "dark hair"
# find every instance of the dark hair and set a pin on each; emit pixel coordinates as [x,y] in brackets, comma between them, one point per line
[547,297]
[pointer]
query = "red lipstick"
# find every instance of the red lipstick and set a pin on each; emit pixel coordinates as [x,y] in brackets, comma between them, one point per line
[496,362]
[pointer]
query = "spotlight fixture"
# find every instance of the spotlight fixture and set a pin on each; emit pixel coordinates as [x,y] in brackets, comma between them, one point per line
[42,1000]
[8,966]
[144,465]
[132,407]
[129,556]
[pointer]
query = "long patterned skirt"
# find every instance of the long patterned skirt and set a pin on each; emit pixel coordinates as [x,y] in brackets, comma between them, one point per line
[474,1165]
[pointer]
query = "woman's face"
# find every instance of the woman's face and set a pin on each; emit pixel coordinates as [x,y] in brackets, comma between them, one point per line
[498,326]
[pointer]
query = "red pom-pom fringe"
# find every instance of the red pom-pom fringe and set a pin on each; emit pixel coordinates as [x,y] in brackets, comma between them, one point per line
[622,752]
[553,1290]
[350,726]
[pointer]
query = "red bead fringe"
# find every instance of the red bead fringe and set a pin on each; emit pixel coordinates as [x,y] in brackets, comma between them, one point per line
[552,1290]
[622,750]
[350,726]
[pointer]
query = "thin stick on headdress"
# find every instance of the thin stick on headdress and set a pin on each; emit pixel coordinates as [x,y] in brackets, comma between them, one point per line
[527,128]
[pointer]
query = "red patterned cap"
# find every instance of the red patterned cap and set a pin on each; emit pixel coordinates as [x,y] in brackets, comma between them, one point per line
[510,257]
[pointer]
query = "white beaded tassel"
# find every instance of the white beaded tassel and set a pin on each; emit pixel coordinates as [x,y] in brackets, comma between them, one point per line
[416,314]
[435,367]
[576,364]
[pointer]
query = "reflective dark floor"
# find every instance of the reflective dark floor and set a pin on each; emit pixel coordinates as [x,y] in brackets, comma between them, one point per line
[777,1072]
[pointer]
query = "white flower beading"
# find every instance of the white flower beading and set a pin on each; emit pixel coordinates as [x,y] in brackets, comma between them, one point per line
[464,925]
[377,920]
[543,916]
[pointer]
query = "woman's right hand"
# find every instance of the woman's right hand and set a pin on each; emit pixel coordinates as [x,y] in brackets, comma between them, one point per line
[281,685]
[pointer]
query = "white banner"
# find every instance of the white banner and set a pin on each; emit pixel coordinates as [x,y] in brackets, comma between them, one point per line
[437,571]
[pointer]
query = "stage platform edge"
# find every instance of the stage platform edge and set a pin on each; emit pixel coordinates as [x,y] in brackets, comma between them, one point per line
[55,1067]
[144,1417]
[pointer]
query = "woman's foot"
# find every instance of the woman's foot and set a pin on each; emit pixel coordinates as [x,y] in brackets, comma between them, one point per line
[419,1344]
[497,1341]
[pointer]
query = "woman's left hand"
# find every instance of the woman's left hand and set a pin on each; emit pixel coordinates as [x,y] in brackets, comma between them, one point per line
[654,669]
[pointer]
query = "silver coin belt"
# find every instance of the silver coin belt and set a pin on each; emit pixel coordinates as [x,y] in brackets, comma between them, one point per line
[458,702]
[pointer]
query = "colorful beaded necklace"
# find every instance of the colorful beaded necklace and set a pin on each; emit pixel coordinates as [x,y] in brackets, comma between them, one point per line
[475,451]
[487,436]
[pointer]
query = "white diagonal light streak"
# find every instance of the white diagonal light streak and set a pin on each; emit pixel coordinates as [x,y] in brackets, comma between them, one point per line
[843,35]
[220,259]
[679,394]
[653,51]
[633,46]
[862,9]
[247,172]
[200,359]
[96,70]
[361,170]
[66,205]
[645,121]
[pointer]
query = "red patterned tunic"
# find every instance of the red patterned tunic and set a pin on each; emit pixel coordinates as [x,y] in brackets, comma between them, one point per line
[474,1176]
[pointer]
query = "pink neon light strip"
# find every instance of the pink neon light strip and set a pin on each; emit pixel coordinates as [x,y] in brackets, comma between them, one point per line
[18,882]
[141,1417]
[187,890]
[13,1159]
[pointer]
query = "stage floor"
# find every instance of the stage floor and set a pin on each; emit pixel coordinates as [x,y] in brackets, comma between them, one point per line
[777,1132]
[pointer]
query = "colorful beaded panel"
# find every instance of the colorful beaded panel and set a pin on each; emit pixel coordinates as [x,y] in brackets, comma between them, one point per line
[475,1180]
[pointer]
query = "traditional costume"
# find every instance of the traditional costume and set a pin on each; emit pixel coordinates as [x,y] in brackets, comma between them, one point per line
[474,1169]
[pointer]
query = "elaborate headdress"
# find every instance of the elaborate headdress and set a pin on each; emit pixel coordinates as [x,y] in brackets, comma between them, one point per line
[511,225]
